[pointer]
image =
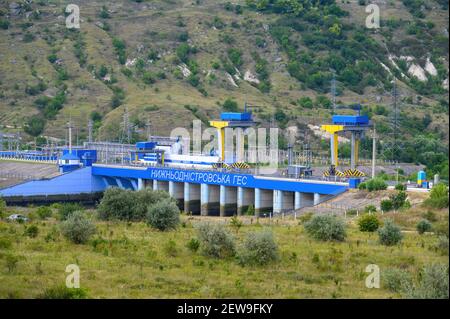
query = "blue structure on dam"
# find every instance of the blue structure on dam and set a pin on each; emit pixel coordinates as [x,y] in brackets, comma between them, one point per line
[202,184]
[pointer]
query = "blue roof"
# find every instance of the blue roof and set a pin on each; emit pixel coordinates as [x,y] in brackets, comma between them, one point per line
[233,116]
[350,119]
[69,156]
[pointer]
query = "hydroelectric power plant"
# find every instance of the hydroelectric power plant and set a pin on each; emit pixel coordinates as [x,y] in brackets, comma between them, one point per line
[220,183]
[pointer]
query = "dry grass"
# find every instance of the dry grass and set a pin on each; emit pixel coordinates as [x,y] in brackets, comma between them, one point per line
[130,262]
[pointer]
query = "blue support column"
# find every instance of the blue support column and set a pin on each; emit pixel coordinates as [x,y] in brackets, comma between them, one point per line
[257,201]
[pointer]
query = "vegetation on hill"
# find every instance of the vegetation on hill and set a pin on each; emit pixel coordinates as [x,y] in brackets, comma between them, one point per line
[154,58]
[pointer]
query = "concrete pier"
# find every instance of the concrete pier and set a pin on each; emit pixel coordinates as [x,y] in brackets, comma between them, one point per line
[176,190]
[228,200]
[263,201]
[192,198]
[316,199]
[160,185]
[282,201]
[209,200]
[141,184]
[245,198]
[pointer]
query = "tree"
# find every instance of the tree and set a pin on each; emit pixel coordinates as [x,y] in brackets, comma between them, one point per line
[34,125]
[230,105]
[438,197]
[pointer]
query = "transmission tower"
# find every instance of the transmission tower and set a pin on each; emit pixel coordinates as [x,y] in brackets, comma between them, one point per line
[391,145]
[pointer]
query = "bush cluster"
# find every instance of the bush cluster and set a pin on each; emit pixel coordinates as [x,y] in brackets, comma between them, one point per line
[374,184]
[119,204]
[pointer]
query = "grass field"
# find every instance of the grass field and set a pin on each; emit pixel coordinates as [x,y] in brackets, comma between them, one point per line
[131,260]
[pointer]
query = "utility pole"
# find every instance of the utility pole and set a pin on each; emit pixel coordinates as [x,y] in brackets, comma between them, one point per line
[69,126]
[395,95]
[147,129]
[90,126]
[333,91]
[374,150]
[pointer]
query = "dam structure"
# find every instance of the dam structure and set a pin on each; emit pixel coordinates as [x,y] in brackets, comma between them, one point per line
[207,185]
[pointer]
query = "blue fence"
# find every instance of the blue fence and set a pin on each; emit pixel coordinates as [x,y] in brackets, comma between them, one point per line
[29,156]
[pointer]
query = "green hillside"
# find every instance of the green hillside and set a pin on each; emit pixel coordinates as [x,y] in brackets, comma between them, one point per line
[173,61]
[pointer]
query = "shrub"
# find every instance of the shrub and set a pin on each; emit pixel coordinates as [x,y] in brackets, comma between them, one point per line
[236,223]
[11,262]
[442,245]
[62,292]
[433,284]
[398,200]
[370,209]
[375,184]
[145,198]
[116,204]
[438,197]
[386,205]
[368,223]
[193,244]
[77,228]
[423,226]
[170,248]
[390,234]
[2,206]
[67,209]
[31,231]
[215,240]
[44,212]
[305,218]
[250,210]
[259,248]
[400,187]
[430,216]
[395,279]
[5,243]
[164,215]
[326,228]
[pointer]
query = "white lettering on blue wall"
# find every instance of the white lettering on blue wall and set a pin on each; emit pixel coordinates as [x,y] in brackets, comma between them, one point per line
[199,177]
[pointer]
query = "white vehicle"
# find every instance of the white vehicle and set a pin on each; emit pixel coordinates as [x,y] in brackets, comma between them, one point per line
[17,217]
